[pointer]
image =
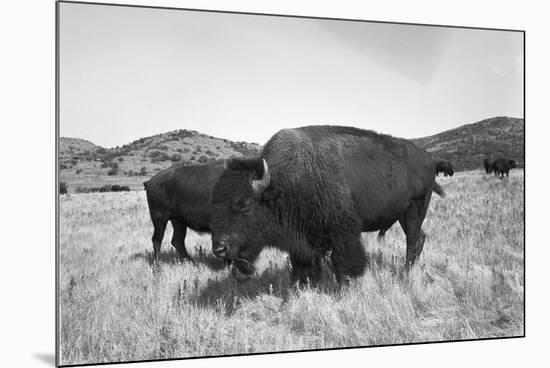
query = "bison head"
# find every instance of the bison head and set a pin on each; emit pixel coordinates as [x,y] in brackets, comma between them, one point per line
[243,220]
[512,164]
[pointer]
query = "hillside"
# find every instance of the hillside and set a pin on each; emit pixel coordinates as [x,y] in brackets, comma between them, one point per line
[69,147]
[467,145]
[83,165]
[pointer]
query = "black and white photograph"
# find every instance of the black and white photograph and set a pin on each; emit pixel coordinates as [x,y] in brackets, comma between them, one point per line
[242,183]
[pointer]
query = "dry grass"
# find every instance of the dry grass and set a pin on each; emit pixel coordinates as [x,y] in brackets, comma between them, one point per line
[116,307]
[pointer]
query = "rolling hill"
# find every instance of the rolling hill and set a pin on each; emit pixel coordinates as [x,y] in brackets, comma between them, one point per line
[467,145]
[84,165]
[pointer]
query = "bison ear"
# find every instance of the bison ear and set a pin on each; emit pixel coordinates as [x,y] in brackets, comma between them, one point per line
[271,194]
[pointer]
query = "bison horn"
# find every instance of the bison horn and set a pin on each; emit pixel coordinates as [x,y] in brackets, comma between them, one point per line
[260,185]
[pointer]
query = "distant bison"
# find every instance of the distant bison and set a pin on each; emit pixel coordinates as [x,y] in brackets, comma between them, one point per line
[488,164]
[181,195]
[443,166]
[124,188]
[115,188]
[62,187]
[502,166]
[312,191]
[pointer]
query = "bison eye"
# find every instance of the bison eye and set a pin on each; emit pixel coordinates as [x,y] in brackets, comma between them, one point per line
[241,204]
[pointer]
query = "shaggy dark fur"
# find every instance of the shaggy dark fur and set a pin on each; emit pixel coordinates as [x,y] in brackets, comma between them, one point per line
[182,195]
[443,166]
[328,184]
[502,166]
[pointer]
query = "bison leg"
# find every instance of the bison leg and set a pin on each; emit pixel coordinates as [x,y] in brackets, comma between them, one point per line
[411,223]
[159,224]
[178,238]
[348,256]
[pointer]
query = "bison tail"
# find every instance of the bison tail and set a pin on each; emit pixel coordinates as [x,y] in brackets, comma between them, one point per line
[437,188]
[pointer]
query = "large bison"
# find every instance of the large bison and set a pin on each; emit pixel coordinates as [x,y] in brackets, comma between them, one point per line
[182,195]
[312,191]
[443,166]
[502,166]
[488,164]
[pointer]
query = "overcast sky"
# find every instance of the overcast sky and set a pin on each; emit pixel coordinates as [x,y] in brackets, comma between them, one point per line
[126,73]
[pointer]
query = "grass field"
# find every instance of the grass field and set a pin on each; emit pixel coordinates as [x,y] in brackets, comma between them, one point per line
[114,306]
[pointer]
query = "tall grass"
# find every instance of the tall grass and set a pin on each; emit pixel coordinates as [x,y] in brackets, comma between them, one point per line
[114,306]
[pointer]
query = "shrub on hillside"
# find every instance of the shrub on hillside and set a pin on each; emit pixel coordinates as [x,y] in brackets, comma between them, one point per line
[158,156]
[175,157]
[244,148]
[81,189]
[105,188]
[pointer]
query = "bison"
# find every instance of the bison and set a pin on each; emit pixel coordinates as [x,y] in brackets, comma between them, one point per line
[115,188]
[488,164]
[312,191]
[443,166]
[181,195]
[62,187]
[124,188]
[502,166]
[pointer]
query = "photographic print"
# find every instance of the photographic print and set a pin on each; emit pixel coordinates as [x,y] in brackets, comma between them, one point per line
[233,183]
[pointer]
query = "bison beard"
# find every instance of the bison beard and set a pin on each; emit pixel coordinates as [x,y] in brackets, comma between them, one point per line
[313,191]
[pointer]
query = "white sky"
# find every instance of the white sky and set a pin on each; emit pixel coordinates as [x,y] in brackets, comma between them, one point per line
[127,73]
